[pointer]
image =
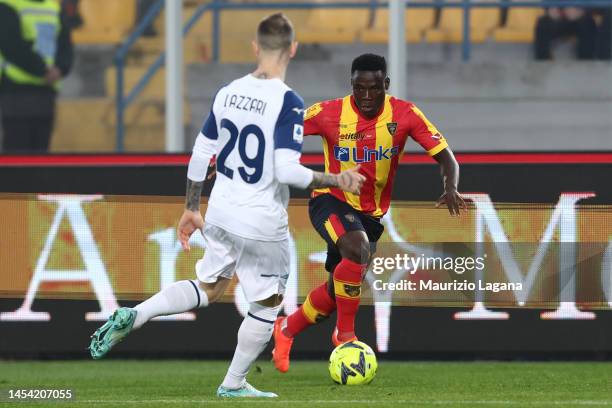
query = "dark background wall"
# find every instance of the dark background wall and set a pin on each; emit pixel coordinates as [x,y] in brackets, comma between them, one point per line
[415,332]
[527,178]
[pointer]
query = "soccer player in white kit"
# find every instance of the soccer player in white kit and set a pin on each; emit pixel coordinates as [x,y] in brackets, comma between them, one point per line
[255,129]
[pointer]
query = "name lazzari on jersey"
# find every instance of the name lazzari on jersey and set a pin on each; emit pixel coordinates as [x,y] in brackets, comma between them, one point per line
[245,103]
[365,154]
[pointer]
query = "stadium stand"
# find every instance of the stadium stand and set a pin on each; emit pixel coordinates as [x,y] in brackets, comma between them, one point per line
[353,27]
[416,22]
[196,45]
[238,27]
[144,119]
[483,21]
[339,26]
[154,89]
[105,22]
[520,25]
[69,137]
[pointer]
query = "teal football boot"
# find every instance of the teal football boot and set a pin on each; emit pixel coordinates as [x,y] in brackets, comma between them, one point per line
[246,391]
[112,332]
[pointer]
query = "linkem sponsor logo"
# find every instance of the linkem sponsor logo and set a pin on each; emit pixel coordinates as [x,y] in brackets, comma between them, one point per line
[364,154]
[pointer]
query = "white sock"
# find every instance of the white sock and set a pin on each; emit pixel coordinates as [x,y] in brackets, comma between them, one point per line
[179,297]
[253,336]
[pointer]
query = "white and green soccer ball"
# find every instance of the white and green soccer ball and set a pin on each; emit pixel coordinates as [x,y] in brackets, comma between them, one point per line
[353,363]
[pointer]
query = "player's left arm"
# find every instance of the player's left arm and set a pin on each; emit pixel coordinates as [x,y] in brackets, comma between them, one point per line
[449,169]
[430,138]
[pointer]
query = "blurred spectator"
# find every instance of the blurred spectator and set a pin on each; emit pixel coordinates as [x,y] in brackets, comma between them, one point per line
[142,7]
[566,22]
[605,35]
[71,13]
[35,53]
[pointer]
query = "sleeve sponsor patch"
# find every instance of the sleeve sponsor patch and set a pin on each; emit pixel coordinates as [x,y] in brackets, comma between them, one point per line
[313,111]
[298,133]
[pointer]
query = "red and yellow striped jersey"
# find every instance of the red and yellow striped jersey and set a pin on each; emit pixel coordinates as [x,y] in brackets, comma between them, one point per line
[376,144]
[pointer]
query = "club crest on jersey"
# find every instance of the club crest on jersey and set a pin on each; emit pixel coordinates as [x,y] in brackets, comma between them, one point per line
[364,154]
[352,290]
[392,127]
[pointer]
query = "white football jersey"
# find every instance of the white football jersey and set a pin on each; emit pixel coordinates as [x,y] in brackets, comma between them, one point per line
[249,119]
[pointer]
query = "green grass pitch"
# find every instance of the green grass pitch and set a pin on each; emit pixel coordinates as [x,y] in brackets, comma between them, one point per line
[119,383]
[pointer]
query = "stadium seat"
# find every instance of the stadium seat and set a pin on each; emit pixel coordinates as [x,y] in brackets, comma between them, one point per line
[203,25]
[417,20]
[238,30]
[156,87]
[328,26]
[196,48]
[88,125]
[196,45]
[520,25]
[145,125]
[80,126]
[450,27]
[105,22]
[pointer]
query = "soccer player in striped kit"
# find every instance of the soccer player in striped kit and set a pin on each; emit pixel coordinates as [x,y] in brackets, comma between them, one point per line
[368,129]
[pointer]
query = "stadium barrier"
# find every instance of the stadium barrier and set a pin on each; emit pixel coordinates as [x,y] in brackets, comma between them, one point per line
[83,234]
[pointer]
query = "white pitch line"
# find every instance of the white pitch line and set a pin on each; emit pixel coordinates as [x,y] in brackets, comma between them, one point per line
[368,402]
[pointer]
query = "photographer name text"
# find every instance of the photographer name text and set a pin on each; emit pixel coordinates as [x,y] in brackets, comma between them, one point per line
[452,286]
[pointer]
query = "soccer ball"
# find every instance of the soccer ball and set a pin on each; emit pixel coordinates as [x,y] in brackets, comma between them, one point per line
[352,363]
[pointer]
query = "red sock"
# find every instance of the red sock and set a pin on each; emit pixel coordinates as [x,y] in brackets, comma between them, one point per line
[318,305]
[347,287]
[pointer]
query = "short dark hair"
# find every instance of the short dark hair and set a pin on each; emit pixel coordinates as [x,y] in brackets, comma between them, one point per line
[275,32]
[369,62]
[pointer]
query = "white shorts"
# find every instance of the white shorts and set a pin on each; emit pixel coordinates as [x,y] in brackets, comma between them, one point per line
[262,266]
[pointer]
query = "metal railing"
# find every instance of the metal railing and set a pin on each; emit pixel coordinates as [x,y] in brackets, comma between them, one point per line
[216,6]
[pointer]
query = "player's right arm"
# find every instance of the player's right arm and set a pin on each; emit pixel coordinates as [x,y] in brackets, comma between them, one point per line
[204,149]
[311,119]
[288,138]
[313,126]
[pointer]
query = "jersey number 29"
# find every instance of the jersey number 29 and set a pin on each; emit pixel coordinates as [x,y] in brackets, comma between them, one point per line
[255,163]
